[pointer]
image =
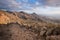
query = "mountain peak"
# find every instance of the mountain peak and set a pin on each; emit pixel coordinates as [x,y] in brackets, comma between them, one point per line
[34,13]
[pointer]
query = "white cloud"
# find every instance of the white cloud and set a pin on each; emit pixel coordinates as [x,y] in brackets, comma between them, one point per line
[25,0]
[53,3]
[47,10]
[9,4]
[13,5]
[44,10]
[37,3]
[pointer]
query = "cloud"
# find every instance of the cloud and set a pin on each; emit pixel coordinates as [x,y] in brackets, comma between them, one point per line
[39,6]
[53,3]
[9,5]
[13,5]
[44,10]
[47,10]
[37,3]
[25,0]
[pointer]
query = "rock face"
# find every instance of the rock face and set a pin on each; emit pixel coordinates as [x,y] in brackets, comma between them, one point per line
[3,19]
[53,34]
[22,26]
[15,31]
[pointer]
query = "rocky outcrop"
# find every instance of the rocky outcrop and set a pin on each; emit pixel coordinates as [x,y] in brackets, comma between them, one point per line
[50,33]
[17,27]
[15,31]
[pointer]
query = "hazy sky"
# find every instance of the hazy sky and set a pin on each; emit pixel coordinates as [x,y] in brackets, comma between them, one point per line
[38,6]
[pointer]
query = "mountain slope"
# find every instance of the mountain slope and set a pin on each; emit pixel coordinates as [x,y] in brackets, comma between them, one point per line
[23,26]
[6,17]
[35,17]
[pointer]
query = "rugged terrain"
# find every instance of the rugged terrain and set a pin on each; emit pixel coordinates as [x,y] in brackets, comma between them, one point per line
[23,26]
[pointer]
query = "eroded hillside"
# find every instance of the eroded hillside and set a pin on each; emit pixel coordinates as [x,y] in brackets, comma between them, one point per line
[22,26]
[6,17]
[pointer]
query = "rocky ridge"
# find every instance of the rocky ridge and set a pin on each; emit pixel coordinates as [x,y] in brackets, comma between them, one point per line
[13,27]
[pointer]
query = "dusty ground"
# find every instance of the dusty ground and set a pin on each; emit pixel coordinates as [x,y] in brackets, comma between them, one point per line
[14,31]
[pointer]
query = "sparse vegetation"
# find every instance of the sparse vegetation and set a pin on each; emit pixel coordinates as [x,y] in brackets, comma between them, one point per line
[15,27]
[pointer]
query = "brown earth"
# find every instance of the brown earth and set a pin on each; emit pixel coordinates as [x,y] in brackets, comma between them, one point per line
[15,31]
[20,27]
